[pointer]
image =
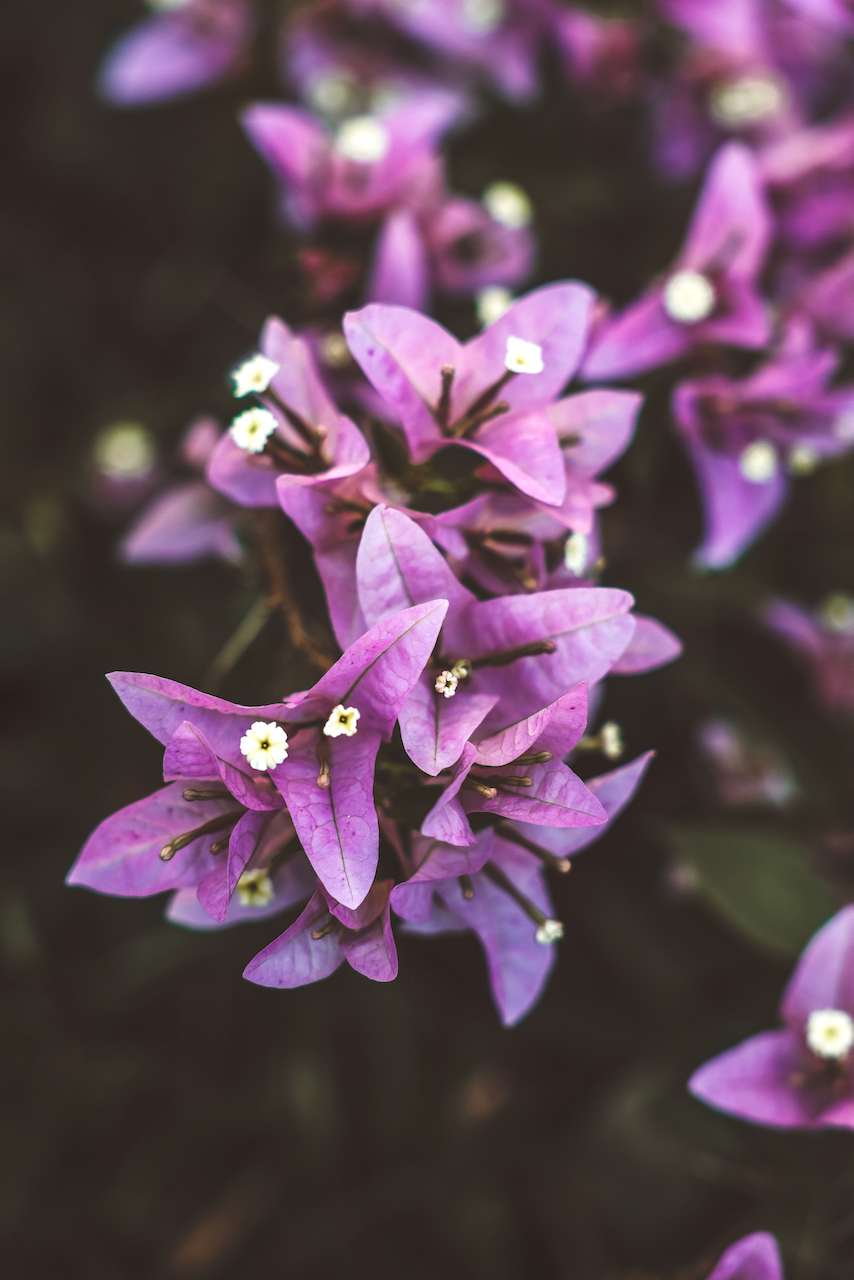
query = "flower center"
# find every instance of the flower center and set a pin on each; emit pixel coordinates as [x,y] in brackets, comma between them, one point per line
[758,462]
[738,104]
[523,357]
[830,1033]
[446,684]
[254,375]
[363,139]
[251,430]
[255,888]
[342,721]
[689,297]
[508,204]
[264,745]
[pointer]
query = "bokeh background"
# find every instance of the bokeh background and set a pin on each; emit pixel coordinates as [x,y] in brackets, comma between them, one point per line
[161,1116]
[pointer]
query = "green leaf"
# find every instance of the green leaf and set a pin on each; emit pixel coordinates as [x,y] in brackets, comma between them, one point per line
[759,881]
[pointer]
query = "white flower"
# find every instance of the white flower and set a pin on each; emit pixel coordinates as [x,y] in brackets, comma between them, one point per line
[837,612]
[252,429]
[549,931]
[611,739]
[255,374]
[508,204]
[737,104]
[830,1033]
[689,297]
[125,451]
[264,745]
[576,552]
[803,460]
[492,303]
[363,139]
[342,720]
[255,888]
[446,683]
[523,357]
[482,16]
[758,462]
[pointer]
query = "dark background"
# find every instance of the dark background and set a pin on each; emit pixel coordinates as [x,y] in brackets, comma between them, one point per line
[161,1116]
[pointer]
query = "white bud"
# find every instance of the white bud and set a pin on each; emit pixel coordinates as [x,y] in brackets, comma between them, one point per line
[830,1033]
[758,462]
[264,745]
[255,375]
[446,684]
[508,204]
[482,16]
[523,357]
[252,429]
[549,931]
[576,552]
[738,104]
[803,460]
[255,889]
[363,139]
[342,720]
[689,297]
[125,451]
[611,740]
[492,303]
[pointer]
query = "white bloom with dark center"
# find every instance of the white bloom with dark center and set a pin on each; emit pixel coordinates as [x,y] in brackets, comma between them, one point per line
[342,720]
[251,430]
[576,552]
[446,684]
[363,139]
[508,204]
[255,888]
[523,357]
[758,463]
[830,1033]
[738,104]
[254,374]
[264,745]
[482,16]
[549,931]
[492,303]
[689,297]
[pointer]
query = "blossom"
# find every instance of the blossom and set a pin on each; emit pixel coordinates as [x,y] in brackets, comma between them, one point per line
[264,745]
[710,293]
[824,640]
[798,1077]
[254,374]
[252,429]
[755,1257]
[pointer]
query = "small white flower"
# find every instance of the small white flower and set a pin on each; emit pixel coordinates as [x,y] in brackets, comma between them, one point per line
[803,460]
[837,612]
[611,739]
[363,139]
[576,552]
[255,889]
[255,374]
[446,684]
[492,303]
[830,1033]
[482,16]
[333,95]
[523,357]
[264,745]
[549,931]
[738,104]
[252,429]
[125,451]
[758,462]
[334,351]
[689,297]
[342,720]
[508,204]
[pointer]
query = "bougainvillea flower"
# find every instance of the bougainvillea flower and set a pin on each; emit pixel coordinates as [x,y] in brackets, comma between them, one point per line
[811,174]
[799,1077]
[327,934]
[743,436]
[307,442]
[826,298]
[488,395]
[746,773]
[825,640]
[369,164]
[756,1257]
[174,53]
[600,53]
[710,293]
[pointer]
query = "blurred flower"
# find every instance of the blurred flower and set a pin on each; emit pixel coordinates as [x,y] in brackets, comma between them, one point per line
[825,640]
[744,772]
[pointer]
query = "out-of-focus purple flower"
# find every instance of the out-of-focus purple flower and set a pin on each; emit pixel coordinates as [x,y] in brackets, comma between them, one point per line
[745,773]
[600,53]
[811,174]
[185,47]
[756,1257]
[710,293]
[298,436]
[799,1077]
[488,395]
[838,15]
[828,298]
[825,640]
[366,166]
[743,436]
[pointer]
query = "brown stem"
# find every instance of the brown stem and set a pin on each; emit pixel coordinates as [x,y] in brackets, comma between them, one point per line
[281,592]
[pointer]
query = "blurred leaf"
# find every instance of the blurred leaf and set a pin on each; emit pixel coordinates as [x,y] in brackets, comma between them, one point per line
[759,881]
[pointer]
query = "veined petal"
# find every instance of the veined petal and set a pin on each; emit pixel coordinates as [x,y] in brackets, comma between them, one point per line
[295,958]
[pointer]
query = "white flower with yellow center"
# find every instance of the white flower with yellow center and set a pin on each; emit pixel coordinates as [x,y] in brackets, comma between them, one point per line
[549,931]
[255,888]
[523,357]
[482,16]
[254,374]
[264,745]
[492,303]
[689,297]
[758,463]
[508,204]
[576,552]
[446,684]
[830,1033]
[363,139]
[251,430]
[342,720]
[738,104]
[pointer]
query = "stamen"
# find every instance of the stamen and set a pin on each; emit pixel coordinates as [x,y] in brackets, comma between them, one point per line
[443,408]
[486,397]
[324,929]
[216,824]
[479,788]
[193,793]
[609,740]
[467,426]
[219,845]
[505,657]
[507,832]
[323,776]
[547,930]
[537,757]
[524,781]
[314,437]
[467,887]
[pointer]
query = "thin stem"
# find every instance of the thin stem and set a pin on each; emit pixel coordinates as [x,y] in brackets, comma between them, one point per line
[281,592]
[237,644]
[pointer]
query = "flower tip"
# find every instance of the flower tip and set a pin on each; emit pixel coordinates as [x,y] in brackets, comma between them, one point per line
[549,931]
[254,374]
